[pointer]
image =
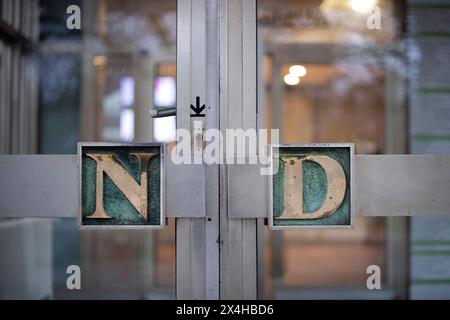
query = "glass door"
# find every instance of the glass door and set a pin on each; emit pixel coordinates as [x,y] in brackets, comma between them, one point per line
[325,79]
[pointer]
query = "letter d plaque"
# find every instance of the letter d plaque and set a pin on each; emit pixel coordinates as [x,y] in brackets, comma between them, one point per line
[121,185]
[311,186]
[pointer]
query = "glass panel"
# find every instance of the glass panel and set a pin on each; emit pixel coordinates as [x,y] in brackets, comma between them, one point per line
[164,90]
[324,70]
[115,77]
[96,85]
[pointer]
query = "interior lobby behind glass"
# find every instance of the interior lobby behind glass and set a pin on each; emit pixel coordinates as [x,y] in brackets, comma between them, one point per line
[97,83]
[327,77]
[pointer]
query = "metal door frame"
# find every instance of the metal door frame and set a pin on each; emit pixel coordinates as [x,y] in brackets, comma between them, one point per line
[216,55]
[197,239]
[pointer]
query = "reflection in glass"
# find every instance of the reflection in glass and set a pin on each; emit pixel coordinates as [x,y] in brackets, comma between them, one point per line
[324,80]
[96,85]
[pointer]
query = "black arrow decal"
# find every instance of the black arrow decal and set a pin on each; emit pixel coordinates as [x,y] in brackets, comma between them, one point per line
[197,108]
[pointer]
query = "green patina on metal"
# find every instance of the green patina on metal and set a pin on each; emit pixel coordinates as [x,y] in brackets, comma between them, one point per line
[117,206]
[314,186]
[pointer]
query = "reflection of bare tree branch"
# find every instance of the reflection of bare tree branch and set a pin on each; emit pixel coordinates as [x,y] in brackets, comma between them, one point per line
[162,33]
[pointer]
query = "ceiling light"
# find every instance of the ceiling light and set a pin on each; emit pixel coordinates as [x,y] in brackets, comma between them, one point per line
[363,6]
[291,79]
[99,60]
[298,70]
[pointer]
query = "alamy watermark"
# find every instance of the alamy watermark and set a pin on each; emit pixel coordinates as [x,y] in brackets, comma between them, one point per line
[374,280]
[73,21]
[73,281]
[374,19]
[234,146]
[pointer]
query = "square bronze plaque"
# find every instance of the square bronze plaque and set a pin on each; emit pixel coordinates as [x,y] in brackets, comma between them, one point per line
[121,185]
[311,186]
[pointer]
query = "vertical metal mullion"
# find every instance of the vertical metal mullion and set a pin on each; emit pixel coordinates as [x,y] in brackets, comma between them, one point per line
[197,75]
[34,26]
[249,121]
[7,11]
[212,171]
[396,142]
[4,82]
[15,101]
[260,262]
[232,229]
[183,225]
[249,64]
[16,14]
[23,103]
[277,123]
[224,101]
[25,19]
[183,264]
[198,258]
[7,100]
[238,110]
[250,258]
[261,123]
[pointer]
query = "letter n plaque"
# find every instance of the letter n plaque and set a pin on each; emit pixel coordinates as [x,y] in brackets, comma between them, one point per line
[121,185]
[311,185]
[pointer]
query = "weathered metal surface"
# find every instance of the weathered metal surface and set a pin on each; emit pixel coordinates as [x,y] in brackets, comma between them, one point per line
[238,101]
[121,185]
[247,191]
[45,186]
[194,189]
[312,186]
[402,185]
[185,185]
[38,186]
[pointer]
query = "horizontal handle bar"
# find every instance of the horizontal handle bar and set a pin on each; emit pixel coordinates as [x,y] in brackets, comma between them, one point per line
[163,112]
[46,186]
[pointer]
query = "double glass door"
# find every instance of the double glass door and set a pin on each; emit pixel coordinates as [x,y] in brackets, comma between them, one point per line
[322,75]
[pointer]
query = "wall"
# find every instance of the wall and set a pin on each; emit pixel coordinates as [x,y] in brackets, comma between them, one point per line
[429,48]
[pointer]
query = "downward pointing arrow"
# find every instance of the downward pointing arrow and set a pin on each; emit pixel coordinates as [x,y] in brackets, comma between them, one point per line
[197,108]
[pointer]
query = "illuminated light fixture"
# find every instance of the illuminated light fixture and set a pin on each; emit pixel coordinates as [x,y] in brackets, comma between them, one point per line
[291,79]
[126,130]
[165,92]
[99,60]
[363,6]
[126,91]
[297,70]
[164,129]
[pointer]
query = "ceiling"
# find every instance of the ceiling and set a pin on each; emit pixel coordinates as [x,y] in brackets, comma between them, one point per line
[327,21]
